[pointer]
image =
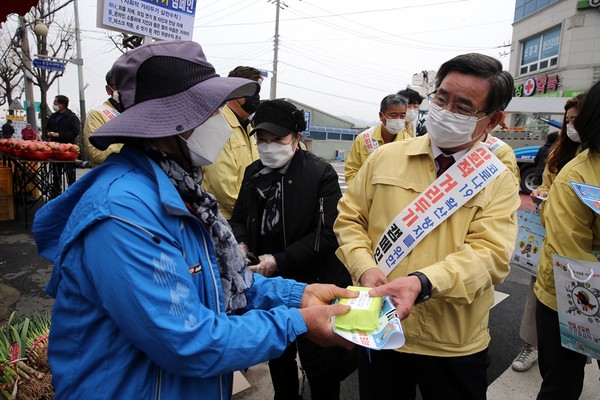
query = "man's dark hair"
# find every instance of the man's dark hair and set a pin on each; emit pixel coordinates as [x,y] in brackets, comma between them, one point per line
[109,79]
[486,67]
[587,122]
[412,96]
[390,100]
[245,72]
[64,100]
[552,136]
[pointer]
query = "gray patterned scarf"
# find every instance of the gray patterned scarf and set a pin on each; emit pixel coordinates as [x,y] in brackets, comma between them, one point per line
[235,277]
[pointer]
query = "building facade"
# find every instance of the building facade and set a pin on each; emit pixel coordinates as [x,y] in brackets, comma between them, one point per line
[555,48]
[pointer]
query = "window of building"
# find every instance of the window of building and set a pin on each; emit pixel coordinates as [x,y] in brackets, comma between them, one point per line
[540,52]
[524,8]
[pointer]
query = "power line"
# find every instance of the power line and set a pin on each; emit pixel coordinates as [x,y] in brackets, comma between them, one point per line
[331,15]
[331,77]
[326,93]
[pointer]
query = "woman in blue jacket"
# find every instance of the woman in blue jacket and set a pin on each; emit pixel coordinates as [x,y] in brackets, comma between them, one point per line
[147,274]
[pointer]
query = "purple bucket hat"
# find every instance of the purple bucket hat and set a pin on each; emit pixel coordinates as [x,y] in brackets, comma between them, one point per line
[166,88]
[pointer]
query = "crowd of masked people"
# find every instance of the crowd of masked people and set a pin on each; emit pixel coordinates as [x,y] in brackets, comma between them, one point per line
[207,239]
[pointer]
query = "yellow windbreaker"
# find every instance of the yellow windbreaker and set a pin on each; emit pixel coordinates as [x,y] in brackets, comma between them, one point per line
[572,228]
[224,178]
[464,257]
[506,154]
[94,120]
[358,152]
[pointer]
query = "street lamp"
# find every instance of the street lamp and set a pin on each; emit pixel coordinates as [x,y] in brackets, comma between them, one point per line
[41,29]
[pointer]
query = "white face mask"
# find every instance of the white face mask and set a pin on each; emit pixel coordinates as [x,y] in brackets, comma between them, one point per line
[275,155]
[394,125]
[411,114]
[55,107]
[207,140]
[446,131]
[573,134]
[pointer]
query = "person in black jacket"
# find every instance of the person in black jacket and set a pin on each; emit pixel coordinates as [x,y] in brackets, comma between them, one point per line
[284,214]
[8,130]
[63,126]
[542,155]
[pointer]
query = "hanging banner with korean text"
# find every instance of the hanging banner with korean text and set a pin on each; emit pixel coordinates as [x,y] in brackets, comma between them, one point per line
[450,191]
[159,19]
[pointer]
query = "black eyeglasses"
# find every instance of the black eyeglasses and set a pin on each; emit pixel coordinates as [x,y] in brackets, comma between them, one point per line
[460,111]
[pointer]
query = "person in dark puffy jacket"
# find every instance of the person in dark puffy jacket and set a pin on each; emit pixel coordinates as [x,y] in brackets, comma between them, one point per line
[284,214]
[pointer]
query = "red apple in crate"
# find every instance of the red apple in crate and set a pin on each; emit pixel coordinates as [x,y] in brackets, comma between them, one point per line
[31,147]
[61,147]
[74,148]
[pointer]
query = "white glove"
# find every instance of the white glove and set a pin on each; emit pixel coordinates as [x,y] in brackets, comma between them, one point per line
[266,267]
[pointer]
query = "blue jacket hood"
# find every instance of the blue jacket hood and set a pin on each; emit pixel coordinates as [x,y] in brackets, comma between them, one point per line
[54,229]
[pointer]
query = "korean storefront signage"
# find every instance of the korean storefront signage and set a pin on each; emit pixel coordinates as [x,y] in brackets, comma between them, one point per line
[585,4]
[540,84]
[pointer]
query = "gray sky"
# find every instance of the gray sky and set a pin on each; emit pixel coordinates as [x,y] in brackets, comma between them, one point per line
[342,56]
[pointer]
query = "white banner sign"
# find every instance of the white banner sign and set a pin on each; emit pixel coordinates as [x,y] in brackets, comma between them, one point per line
[463,180]
[160,19]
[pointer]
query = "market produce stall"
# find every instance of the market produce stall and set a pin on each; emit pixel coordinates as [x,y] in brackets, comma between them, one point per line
[38,173]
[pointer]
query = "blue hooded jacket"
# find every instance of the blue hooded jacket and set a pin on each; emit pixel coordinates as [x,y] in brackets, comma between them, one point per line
[138,311]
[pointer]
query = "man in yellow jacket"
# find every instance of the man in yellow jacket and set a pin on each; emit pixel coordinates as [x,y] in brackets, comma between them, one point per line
[224,178]
[443,289]
[98,117]
[392,114]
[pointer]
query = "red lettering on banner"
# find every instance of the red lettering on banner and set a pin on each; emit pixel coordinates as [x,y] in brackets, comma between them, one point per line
[465,168]
[485,154]
[448,184]
[422,205]
[434,194]
[410,216]
[476,159]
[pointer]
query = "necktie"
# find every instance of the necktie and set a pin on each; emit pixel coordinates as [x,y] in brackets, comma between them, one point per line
[444,163]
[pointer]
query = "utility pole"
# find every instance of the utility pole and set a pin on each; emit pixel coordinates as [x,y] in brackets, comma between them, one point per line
[275,51]
[26,67]
[79,66]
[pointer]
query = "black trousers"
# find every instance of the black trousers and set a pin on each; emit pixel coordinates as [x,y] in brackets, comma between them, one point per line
[562,369]
[394,375]
[58,170]
[325,368]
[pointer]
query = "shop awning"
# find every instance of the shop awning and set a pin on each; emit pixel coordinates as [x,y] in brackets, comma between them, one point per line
[537,105]
[20,7]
